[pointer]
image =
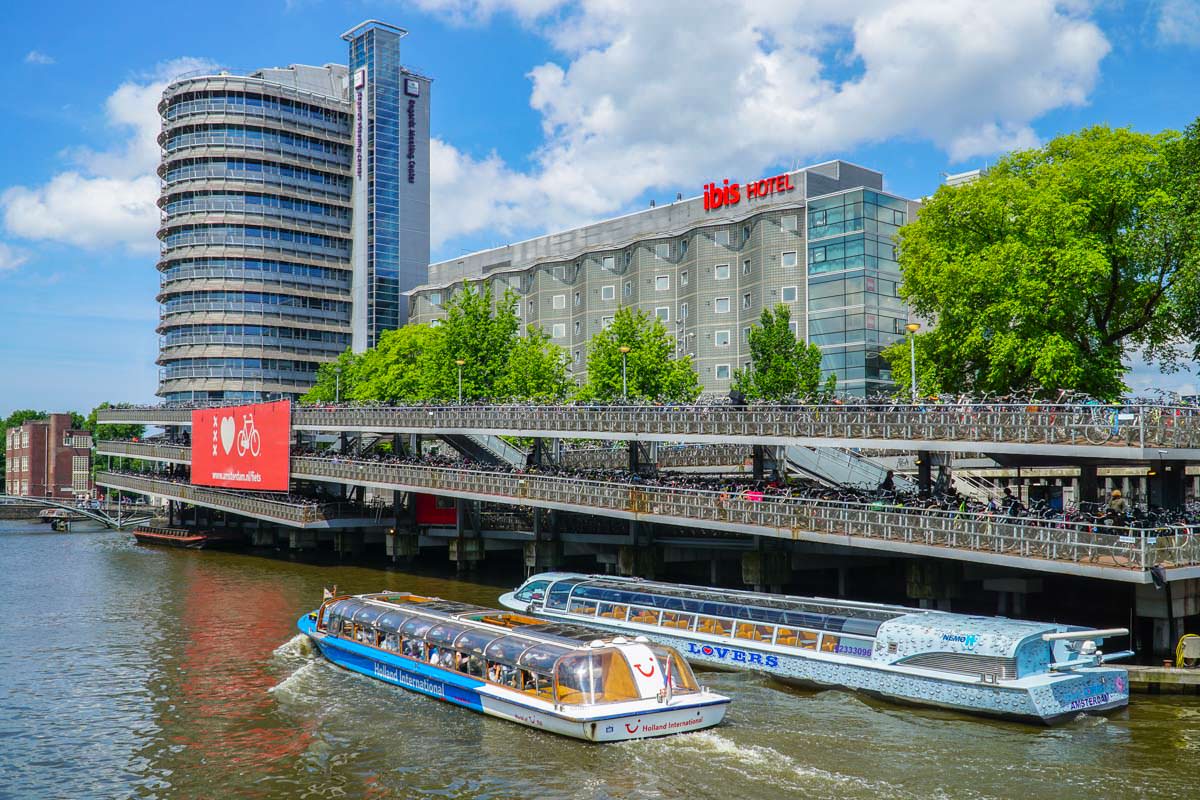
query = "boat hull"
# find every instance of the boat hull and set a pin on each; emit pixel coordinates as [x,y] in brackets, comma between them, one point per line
[477,695]
[1044,699]
[197,541]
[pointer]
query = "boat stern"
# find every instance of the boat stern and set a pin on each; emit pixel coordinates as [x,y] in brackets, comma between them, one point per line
[667,721]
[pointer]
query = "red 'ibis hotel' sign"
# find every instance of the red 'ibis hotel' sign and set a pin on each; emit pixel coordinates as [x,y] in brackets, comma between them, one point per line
[242,447]
[730,194]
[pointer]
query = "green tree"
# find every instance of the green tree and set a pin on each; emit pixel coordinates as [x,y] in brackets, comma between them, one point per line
[653,374]
[396,370]
[479,333]
[1055,266]
[334,379]
[781,366]
[105,432]
[537,369]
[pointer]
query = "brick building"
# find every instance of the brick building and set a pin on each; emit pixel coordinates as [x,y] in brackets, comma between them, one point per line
[48,458]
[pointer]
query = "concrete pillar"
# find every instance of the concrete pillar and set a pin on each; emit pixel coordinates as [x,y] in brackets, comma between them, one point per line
[934,583]
[467,547]
[924,472]
[765,570]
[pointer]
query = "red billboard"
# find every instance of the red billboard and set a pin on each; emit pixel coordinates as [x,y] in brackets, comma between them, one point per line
[242,447]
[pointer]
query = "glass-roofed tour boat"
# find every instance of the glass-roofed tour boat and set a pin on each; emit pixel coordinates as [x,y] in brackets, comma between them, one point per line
[559,677]
[1031,671]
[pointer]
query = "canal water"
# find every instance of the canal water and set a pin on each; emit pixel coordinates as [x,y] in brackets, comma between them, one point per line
[128,671]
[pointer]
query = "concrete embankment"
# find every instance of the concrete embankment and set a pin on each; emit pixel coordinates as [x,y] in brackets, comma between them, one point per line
[18,511]
[1163,680]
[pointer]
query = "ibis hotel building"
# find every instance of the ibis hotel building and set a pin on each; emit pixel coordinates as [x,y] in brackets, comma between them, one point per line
[295,213]
[820,240]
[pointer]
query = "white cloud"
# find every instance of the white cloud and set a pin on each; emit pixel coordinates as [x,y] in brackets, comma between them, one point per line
[11,258]
[36,57]
[652,96]
[1179,22]
[108,197]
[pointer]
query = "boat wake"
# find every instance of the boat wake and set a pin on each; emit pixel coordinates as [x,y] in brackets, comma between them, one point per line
[758,763]
[292,683]
[299,646]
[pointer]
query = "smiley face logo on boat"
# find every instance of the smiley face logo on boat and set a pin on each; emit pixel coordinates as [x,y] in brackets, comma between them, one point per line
[646,673]
[632,728]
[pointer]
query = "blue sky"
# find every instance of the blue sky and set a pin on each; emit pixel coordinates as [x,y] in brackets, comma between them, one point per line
[546,113]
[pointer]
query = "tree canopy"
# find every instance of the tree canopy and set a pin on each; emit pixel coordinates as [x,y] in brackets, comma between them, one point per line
[781,366]
[104,432]
[418,363]
[1056,266]
[652,371]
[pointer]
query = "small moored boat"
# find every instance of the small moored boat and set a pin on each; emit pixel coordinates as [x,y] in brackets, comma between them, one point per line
[567,679]
[189,538]
[1032,671]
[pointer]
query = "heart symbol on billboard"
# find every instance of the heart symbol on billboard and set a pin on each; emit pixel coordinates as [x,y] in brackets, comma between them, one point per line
[227,433]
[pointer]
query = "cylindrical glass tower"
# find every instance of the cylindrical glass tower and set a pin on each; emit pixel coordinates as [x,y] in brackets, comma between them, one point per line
[255,262]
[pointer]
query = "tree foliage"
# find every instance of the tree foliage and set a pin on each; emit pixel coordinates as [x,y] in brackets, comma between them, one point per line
[105,432]
[537,369]
[482,336]
[1055,266]
[652,371]
[781,367]
[335,379]
[396,370]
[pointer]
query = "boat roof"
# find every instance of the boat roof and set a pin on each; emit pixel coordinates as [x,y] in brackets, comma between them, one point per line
[561,634]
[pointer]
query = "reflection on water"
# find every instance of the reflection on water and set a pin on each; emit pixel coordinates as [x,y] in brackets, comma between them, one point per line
[130,671]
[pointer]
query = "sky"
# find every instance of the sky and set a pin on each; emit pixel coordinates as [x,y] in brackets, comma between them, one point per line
[545,114]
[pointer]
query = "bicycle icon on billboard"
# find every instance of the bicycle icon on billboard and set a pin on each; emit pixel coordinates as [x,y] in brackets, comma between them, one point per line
[248,438]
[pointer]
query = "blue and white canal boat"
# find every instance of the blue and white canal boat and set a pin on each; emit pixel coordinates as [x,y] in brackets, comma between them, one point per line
[1031,671]
[562,678]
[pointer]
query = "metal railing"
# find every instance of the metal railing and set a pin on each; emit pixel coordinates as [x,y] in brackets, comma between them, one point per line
[974,427]
[669,456]
[295,513]
[153,451]
[786,517]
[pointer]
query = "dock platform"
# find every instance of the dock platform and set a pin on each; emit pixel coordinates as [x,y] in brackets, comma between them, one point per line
[1163,680]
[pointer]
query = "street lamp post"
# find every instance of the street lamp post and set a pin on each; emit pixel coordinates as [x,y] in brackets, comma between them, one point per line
[912,329]
[460,363]
[337,384]
[624,374]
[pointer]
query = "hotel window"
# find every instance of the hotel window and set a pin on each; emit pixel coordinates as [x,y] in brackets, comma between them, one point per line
[559,301]
[789,294]
[662,283]
[628,258]
[746,267]
[788,259]
[578,299]
[663,313]
[746,300]
[627,289]
[577,327]
[683,246]
[531,305]
[605,322]
[559,330]
[745,233]
[575,358]
[608,292]
[722,372]
[721,237]
[662,251]
[794,327]
[721,305]
[610,262]
[790,222]
[683,278]
[435,298]
[721,339]
[745,334]
[721,272]
[816,219]
[683,311]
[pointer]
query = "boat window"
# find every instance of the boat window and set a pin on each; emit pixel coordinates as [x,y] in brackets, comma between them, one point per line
[392,621]
[683,680]
[559,592]
[644,616]
[712,626]
[595,676]
[846,645]
[391,642]
[803,640]
[508,649]
[613,610]
[444,634]
[503,674]
[334,625]
[416,628]
[475,641]
[587,607]
[865,627]
[534,590]
[541,657]
[674,619]
[368,614]
[754,633]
